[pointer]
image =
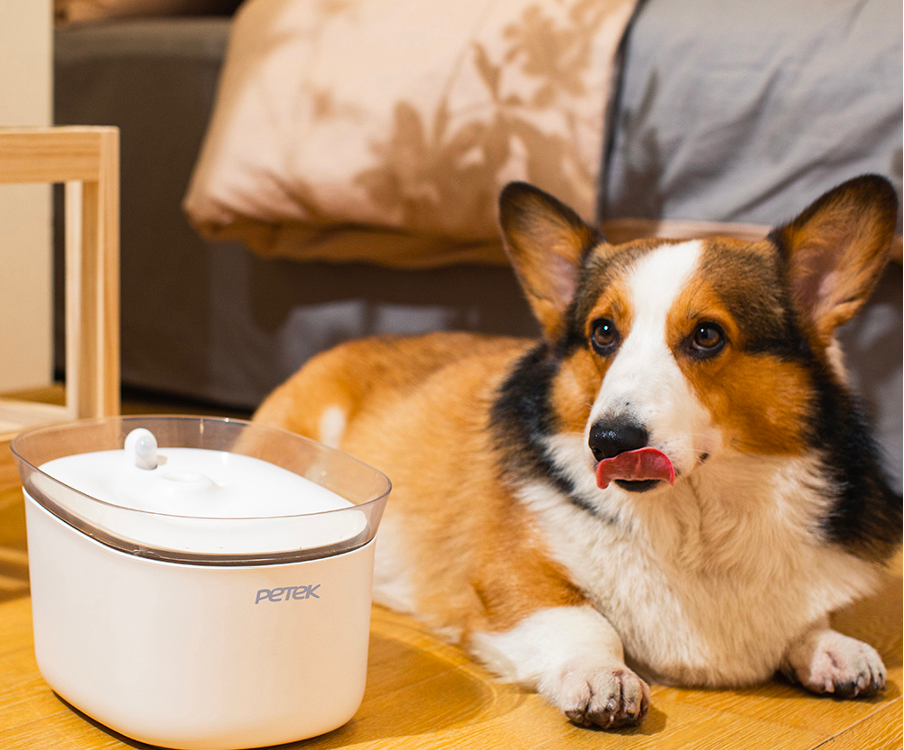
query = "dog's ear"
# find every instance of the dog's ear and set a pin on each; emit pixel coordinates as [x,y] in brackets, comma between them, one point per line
[545,241]
[837,249]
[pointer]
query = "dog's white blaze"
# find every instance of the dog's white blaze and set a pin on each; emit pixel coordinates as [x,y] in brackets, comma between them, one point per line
[644,380]
[657,280]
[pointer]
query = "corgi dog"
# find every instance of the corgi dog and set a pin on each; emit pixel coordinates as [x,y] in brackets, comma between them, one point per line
[674,483]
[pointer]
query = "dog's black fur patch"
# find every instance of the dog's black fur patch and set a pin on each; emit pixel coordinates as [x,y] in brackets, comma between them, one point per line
[866,516]
[522,417]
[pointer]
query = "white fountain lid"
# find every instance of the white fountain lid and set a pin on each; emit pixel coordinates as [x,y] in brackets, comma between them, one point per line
[206,505]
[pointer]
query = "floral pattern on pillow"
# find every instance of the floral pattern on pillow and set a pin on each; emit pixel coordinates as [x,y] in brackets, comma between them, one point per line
[403,115]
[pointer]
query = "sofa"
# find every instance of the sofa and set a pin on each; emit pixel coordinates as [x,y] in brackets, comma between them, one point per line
[714,116]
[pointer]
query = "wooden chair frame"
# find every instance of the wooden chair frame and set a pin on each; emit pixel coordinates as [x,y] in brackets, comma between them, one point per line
[86,161]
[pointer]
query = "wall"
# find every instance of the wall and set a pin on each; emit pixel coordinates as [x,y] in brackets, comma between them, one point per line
[26,71]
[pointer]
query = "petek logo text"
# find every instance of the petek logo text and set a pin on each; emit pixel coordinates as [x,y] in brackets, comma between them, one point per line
[287,594]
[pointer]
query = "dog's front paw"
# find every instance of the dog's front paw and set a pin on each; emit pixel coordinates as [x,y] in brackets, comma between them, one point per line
[829,662]
[608,696]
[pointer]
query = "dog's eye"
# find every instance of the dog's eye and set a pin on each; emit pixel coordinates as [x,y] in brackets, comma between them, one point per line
[708,339]
[604,336]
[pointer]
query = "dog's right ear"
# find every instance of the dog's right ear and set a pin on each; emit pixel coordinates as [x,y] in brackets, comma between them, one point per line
[545,241]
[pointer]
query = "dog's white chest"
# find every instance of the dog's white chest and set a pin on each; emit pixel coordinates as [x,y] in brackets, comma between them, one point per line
[696,604]
[697,628]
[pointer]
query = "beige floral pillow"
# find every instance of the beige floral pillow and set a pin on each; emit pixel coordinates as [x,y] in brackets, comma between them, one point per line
[402,115]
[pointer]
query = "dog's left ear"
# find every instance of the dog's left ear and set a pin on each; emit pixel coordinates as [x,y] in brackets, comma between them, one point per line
[545,241]
[837,250]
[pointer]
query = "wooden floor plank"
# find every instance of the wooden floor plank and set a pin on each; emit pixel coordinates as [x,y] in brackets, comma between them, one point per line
[881,732]
[789,705]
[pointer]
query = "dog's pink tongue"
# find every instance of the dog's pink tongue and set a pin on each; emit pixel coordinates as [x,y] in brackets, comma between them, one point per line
[645,463]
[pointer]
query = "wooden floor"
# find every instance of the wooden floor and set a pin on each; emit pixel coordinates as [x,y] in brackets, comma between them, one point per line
[422,693]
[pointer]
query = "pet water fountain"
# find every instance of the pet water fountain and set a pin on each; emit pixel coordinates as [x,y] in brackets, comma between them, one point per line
[200,583]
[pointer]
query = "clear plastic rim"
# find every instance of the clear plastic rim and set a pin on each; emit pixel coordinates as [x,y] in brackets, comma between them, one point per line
[34,447]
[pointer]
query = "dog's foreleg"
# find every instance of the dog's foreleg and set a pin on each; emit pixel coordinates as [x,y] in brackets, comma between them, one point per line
[825,661]
[574,658]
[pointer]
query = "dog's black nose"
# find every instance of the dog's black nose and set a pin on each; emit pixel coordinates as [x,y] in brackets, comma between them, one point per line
[611,437]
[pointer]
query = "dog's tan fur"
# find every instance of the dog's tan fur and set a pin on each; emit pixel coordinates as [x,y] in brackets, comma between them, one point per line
[470,586]
[511,549]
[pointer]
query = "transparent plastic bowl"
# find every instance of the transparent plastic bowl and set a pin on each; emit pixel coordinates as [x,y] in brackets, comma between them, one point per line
[181,538]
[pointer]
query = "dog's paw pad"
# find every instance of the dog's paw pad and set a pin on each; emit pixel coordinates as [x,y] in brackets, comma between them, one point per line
[607,696]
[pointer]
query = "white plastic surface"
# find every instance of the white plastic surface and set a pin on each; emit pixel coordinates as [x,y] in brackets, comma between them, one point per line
[187,487]
[193,656]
